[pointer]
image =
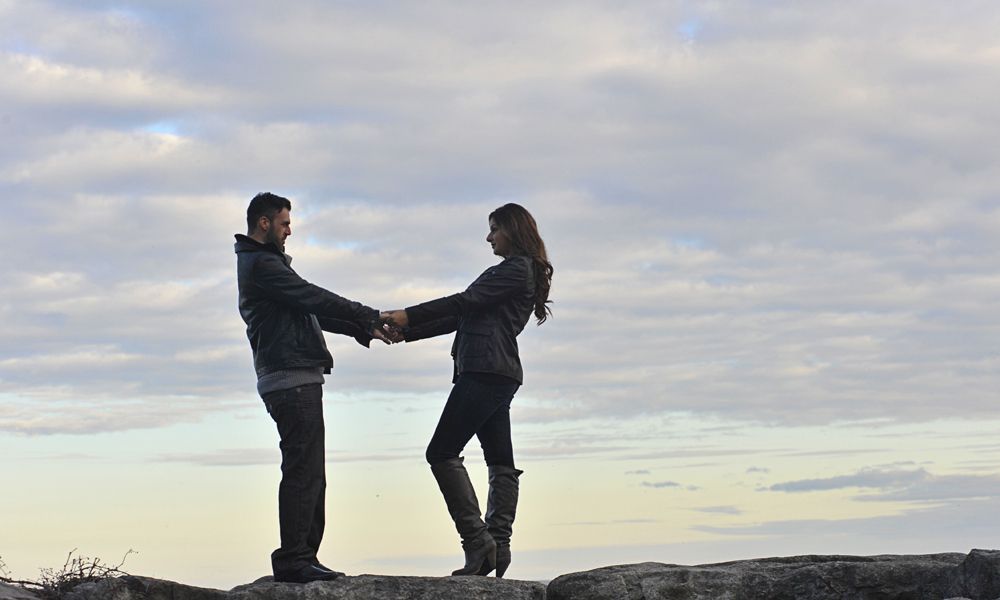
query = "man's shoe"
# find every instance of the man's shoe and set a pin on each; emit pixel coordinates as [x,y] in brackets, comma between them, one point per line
[323,567]
[307,574]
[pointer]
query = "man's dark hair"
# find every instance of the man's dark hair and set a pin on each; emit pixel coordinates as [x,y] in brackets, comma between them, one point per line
[265,204]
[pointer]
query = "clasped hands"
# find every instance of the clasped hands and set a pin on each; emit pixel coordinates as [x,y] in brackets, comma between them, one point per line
[391,326]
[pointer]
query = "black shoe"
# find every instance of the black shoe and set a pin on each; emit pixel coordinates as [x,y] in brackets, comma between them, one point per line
[323,567]
[306,574]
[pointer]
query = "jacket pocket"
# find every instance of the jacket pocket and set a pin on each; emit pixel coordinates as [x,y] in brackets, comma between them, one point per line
[475,343]
[477,325]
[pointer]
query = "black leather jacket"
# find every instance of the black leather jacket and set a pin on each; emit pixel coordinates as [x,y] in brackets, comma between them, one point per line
[285,314]
[487,317]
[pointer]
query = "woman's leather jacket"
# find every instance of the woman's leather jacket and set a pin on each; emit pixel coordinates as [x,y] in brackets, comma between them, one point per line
[487,317]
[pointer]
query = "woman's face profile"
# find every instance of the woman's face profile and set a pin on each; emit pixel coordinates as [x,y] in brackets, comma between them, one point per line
[499,240]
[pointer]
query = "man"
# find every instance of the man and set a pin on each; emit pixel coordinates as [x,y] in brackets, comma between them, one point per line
[285,317]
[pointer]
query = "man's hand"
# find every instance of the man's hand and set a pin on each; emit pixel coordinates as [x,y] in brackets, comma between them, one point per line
[393,334]
[379,334]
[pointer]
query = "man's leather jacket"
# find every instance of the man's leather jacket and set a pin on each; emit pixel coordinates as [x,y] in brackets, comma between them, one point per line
[487,317]
[285,314]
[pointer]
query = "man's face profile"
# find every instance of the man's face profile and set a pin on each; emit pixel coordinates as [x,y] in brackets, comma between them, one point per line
[277,228]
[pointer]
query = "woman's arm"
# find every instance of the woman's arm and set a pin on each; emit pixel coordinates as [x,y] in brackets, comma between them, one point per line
[493,287]
[431,329]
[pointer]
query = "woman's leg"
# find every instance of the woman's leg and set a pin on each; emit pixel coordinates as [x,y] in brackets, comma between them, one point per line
[473,400]
[494,438]
[501,506]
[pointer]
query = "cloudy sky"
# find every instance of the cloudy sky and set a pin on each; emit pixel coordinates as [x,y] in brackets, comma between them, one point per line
[774,227]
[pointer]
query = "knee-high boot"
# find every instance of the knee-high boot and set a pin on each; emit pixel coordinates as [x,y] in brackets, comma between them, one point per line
[500,510]
[463,506]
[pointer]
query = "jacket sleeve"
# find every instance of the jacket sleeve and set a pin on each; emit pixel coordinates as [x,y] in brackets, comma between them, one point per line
[349,328]
[494,287]
[431,329]
[283,285]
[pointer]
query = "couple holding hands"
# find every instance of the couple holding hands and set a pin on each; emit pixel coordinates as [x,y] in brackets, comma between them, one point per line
[285,317]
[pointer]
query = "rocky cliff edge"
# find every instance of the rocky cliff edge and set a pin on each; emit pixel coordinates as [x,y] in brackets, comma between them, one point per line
[975,576]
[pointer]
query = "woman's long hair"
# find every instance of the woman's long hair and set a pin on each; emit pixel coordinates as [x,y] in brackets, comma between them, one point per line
[522,231]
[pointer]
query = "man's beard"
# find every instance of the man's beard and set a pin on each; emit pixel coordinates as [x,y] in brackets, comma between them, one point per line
[274,238]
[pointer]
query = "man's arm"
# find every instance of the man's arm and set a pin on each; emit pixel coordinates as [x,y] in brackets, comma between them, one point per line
[348,328]
[283,285]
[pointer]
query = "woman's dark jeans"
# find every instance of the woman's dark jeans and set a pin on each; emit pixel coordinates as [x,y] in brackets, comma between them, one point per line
[479,404]
[298,413]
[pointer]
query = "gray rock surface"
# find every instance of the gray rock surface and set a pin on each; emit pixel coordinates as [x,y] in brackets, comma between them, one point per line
[15,592]
[975,576]
[144,588]
[924,577]
[978,577]
[363,587]
[395,588]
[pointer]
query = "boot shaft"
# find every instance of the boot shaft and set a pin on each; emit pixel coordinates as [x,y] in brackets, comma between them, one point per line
[463,506]
[460,497]
[501,506]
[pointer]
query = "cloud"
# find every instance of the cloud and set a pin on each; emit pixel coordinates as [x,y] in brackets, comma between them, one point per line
[720,510]
[774,229]
[943,487]
[84,358]
[611,522]
[248,457]
[660,484]
[814,252]
[960,526]
[61,410]
[866,478]
[689,453]
[235,457]
[50,85]
[901,485]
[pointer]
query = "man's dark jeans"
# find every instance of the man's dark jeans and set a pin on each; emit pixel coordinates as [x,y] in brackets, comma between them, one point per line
[479,404]
[298,413]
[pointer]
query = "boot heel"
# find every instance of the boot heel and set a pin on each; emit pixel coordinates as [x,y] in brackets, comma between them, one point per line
[503,559]
[480,556]
[501,509]
[479,546]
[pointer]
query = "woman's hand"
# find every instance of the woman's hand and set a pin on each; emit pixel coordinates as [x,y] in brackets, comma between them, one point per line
[392,324]
[397,318]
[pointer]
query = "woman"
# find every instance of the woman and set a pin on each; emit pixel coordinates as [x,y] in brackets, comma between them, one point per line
[486,318]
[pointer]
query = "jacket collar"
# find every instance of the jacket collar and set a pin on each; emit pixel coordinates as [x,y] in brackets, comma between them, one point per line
[246,243]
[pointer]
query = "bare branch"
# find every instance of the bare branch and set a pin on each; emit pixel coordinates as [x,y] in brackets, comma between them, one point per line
[53,584]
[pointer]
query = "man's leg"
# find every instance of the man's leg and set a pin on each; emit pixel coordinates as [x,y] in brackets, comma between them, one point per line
[298,413]
[318,523]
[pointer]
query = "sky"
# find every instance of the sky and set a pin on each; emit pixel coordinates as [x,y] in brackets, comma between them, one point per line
[774,227]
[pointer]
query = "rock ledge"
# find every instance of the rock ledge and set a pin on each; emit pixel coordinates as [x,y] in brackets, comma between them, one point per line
[891,577]
[975,576]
